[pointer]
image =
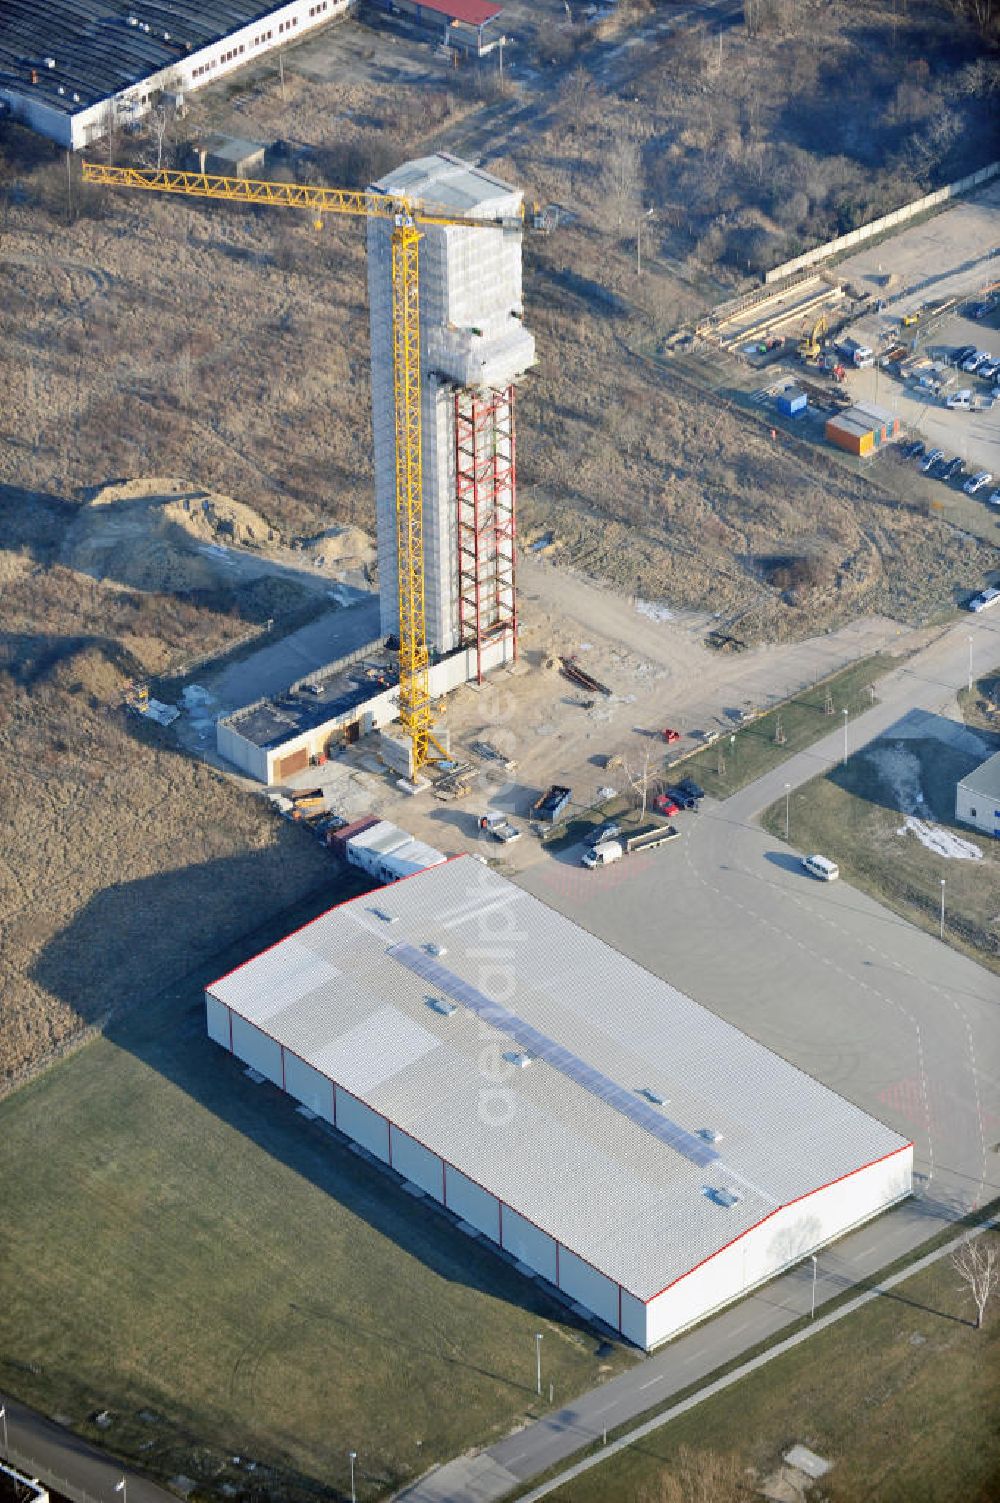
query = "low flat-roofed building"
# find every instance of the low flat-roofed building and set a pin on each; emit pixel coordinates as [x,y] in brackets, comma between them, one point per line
[465,25]
[641,1155]
[862,429]
[977,797]
[67,65]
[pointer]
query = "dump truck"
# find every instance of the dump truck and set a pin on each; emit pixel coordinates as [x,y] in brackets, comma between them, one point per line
[551,803]
[495,823]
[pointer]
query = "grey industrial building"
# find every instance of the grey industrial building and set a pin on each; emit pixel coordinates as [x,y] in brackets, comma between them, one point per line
[977,797]
[65,64]
[641,1156]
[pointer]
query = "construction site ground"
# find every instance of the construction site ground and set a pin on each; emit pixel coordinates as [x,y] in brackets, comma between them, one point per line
[660,673]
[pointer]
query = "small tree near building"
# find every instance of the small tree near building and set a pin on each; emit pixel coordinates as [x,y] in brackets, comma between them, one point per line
[977,1263]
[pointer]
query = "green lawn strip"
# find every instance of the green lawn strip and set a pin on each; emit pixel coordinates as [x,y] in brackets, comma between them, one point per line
[747,753]
[886,1355]
[851,815]
[187,1248]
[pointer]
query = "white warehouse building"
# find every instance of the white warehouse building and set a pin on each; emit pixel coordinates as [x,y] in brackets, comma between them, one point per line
[621,1142]
[65,65]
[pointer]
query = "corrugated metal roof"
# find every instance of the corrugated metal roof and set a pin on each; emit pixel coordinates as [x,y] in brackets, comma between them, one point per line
[472,12]
[985,778]
[561,1154]
[97,52]
[449,183]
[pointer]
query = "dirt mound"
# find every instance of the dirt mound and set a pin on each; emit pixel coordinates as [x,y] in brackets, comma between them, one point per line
[166,535]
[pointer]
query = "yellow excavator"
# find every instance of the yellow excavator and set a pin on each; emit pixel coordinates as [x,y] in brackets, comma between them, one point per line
[810,347]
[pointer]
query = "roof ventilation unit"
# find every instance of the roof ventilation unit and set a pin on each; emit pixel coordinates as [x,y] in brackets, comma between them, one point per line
[76,98]
[133,20]
[50,62]
[440,1005]
[652,1096]
[709,1135]
[433,949]
[520,1061]
[724,1198]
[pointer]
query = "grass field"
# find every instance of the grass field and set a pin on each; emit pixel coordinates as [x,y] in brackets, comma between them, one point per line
[900,1397]
[190,1254]
[803,720]
[853,815]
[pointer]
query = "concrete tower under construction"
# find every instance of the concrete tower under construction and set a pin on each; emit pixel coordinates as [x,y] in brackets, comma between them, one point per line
[473,350]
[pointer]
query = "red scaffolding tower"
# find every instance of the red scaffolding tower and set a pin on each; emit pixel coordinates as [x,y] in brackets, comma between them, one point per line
[486,487]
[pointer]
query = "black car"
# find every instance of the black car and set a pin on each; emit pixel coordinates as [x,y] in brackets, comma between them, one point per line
[953,468]
[681,797]
[963,353]
[915,450]
[690,787]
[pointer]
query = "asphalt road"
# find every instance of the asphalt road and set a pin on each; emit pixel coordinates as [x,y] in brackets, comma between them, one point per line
[64,1462]
[902,1025]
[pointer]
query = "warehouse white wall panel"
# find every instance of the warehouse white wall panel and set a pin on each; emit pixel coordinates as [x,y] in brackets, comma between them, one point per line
[788,1236]
[366,1127]
[523,1240]
[308,1086]
[474,1204]
[635,1316]
[256,1049]
[217,1020]
[588,1287]
[417,1164]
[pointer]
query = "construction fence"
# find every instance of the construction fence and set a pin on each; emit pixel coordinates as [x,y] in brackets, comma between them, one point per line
[887,222]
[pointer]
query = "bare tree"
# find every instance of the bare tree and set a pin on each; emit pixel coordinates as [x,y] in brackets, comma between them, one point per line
[977,1263]
[700,1477]
[110,128]
[639,780]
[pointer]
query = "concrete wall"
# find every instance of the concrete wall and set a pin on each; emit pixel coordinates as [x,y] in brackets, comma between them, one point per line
[381,710]
[784,1238]
[978,810]
[469,278]
[286,23]
[243,754]
[886,222]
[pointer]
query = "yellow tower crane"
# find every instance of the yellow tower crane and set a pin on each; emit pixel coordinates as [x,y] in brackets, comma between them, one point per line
[405,215]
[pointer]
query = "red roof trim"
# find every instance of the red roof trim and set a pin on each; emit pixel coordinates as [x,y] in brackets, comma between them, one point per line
[733,1241]
[472,12]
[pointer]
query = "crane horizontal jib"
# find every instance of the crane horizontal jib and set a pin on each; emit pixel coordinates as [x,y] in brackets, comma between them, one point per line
[363,203]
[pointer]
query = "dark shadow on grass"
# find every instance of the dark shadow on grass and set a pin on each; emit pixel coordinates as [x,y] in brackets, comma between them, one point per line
[101,967]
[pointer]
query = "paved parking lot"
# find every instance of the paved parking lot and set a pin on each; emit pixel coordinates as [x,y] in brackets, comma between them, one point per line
[954,254]
[885,1014]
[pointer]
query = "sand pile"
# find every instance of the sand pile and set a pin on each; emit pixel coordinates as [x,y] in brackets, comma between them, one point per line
[167,535]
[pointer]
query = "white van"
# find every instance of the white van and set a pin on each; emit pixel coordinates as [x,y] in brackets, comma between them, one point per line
[821,867]
[603,854]
[959,399]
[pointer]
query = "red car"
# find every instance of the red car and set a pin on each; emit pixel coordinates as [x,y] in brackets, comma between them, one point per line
[669,735]
[663,804]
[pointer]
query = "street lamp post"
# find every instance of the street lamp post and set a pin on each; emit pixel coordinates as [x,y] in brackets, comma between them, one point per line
[942,907]
[970,665]
[538,1363]
[3,1416]
[352,1457]
[788,789]
[122,1487]
[812,1311]
[845,738]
